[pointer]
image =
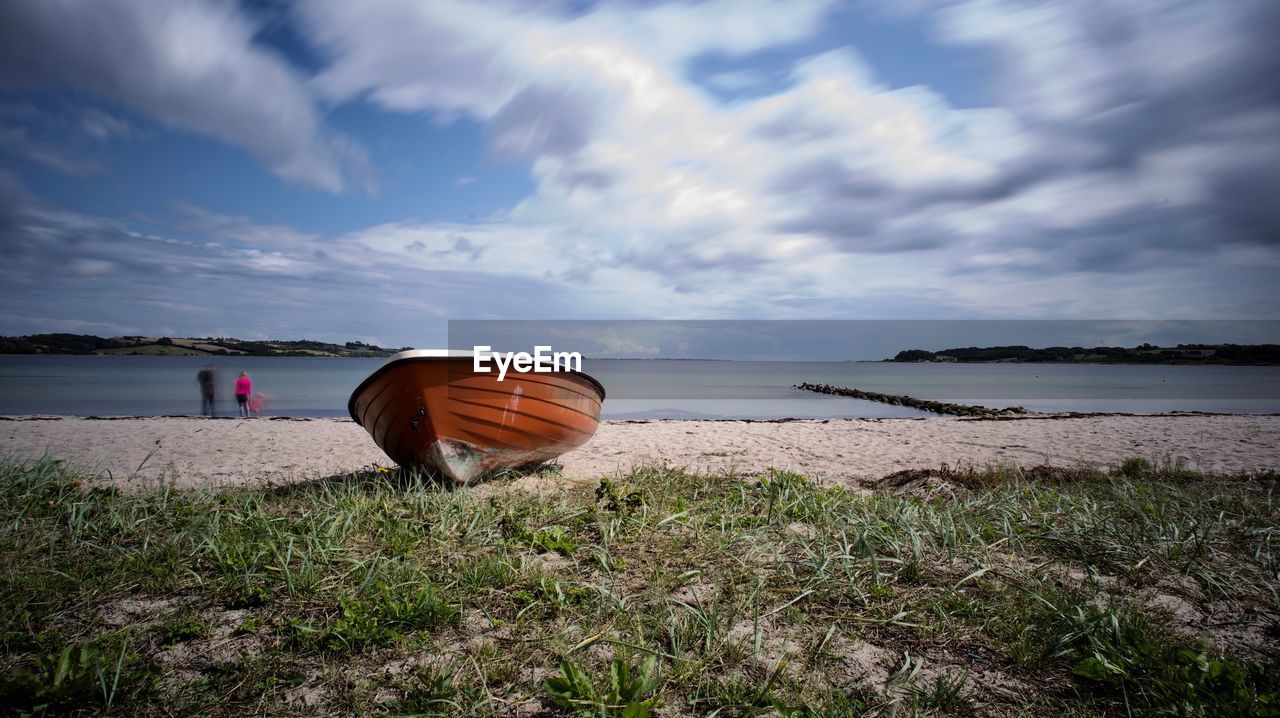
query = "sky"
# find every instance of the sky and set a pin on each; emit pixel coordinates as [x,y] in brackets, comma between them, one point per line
[368,171]
[835,340]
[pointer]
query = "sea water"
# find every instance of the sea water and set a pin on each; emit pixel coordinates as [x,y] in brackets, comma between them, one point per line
[648,388]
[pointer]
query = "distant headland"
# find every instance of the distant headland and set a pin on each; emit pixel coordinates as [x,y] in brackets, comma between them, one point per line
[83,344]
[1239,354]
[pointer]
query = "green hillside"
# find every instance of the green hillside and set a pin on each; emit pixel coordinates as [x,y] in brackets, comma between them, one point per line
[82,344]
[1254,354]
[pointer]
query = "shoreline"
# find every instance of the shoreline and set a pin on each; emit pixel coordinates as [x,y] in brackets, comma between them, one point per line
[1028,416]
[191,452]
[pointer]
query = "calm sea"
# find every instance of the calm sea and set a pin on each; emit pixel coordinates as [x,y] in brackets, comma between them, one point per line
[112,385]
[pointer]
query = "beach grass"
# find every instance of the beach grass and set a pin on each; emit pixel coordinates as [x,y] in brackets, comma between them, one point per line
[1150,590]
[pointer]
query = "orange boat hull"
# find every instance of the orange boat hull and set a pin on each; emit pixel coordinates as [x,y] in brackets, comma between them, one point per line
[434,413]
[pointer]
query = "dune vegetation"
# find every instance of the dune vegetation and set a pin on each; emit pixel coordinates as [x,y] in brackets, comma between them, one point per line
[1141,591]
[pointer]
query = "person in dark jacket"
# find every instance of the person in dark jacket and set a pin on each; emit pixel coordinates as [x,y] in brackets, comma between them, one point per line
[208,380]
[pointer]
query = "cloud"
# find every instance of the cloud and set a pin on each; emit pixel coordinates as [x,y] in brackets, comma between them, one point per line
[473,57]
[637,169]
[18,141]
[1162,110]
[195,221]
[539,121]
[189,64]
[20,324]
[68,143]
[199,272]
[1107,175]
[104,126]
[1114,177]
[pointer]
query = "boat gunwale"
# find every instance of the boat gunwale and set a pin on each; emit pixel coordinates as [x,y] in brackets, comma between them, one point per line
[421,355]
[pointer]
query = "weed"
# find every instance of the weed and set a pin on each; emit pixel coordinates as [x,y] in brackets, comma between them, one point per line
[431,692]
[248,597]
[553,538]
[183,631]
[624,695]
[385,617]
[71,680]
[616,499]
[1124,653]
[946,695]
[1135,467]
[250,625]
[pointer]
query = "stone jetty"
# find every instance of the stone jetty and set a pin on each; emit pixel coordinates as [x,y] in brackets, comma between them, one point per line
[937,407]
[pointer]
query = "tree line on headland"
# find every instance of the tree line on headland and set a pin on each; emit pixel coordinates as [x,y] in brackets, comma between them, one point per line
[1256,354]
[171,346]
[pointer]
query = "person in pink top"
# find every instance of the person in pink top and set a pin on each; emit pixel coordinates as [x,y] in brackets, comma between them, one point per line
[244,388]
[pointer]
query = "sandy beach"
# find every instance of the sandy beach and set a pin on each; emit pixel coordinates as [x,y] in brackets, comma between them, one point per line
[193,452]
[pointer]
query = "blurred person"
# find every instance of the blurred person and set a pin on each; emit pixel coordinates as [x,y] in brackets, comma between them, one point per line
[244,388]
[208,381]
[258,403]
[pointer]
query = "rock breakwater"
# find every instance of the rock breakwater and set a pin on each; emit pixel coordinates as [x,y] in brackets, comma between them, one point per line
[937,407]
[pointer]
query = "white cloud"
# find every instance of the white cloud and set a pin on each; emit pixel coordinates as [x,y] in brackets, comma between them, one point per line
[104,126]
[473,57]
[236,230]
[190,64]
[833,188]
[18,141]
[1070,61]
[636,166]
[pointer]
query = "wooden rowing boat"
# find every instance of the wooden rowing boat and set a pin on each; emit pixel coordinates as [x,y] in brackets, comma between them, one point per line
[430,411]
